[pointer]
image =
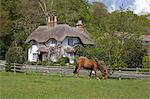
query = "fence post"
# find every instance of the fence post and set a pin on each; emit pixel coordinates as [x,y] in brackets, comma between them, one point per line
[48,69]
[25,69]
[119,74]
[137,69]
[14,68]
[61,75]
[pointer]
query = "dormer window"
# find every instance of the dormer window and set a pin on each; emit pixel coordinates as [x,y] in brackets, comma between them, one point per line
[33,42]
[70,41]
[54,41]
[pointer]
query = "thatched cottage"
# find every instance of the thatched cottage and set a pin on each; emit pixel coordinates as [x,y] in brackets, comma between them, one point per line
[62,38]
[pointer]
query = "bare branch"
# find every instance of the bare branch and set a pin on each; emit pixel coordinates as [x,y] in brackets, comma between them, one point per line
[148,2]
[42,8]
[51,5]
[46,13]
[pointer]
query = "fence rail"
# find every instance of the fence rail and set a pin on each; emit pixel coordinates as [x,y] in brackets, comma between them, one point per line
[132,69]
[62,70]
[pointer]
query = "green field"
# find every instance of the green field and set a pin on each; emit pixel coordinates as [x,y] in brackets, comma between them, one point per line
[38,86]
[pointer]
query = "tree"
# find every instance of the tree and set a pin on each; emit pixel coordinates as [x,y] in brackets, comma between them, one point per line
[114,34]
[71,10]
[21,17]
[54,53]
[15,55]
[129,30]
[133,52]
[8,13]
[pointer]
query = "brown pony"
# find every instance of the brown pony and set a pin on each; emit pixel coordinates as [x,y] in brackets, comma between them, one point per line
[89,64]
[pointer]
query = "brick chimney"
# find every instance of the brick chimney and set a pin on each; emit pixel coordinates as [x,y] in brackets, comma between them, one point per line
[79,26]
[52,21]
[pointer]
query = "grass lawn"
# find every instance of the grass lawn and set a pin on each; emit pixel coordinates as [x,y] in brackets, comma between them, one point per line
[38,86]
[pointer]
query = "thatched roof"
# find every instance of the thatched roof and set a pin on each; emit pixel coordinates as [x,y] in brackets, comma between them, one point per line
[59,32]
[42,49]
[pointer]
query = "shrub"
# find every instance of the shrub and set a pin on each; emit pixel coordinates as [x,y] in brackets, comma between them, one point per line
[146,61]
[54,64]
[8,67]
[44,63]
[120,63]
[63,60]
[14,55]
[62,63]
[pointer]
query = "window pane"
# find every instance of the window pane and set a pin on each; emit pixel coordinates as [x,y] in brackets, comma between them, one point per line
[35,56]
[54,41]
[70,42]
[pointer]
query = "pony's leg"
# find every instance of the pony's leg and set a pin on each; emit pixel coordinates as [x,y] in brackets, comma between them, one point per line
[77,73]
[96,74]
[90,74]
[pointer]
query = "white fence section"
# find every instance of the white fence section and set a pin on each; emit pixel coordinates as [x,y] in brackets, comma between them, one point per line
[63,70]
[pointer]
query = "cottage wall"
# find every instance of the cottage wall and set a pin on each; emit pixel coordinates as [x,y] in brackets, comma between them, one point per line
[33,54]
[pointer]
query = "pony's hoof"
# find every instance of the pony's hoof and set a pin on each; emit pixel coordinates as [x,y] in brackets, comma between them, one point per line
[74,76]
[97,78]
[104,78]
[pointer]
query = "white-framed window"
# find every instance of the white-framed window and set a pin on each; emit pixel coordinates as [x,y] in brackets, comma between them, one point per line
[33,42]
[51,42]
[35,56]
[70,41]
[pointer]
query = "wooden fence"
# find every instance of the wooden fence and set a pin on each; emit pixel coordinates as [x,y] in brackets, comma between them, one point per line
[62,70]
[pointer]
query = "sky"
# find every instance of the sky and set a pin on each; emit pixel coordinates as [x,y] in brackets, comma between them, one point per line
[137,6]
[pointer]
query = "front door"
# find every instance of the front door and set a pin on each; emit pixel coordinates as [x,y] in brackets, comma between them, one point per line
[40,56]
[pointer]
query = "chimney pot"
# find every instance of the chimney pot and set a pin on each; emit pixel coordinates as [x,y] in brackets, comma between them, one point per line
[79,23]
[55,18]
[52,19]
[49,19]
[79,26]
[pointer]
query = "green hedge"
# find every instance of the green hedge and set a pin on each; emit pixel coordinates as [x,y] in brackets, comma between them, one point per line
[14,55]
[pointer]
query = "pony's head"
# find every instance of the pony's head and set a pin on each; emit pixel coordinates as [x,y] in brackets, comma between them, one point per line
[103,69]
[104,72]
